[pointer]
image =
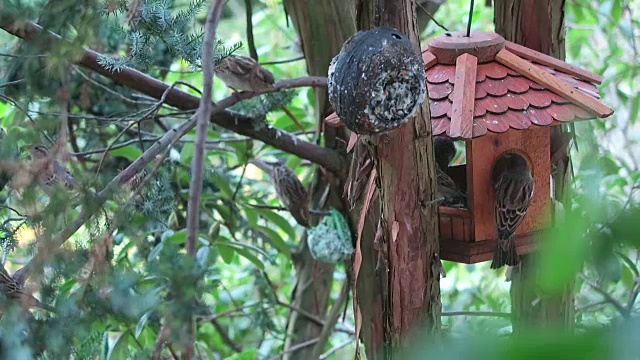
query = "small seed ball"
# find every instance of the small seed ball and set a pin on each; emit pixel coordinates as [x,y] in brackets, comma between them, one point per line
[377,81]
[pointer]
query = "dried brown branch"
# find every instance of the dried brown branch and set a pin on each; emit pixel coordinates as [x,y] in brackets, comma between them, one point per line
[235,122]
[197,166]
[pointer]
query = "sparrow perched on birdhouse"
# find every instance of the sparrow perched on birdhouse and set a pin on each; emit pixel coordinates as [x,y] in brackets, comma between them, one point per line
[52,174]
[514,185]
[377,81]
[289,189]
[14,291]
[244,73]
[446,188]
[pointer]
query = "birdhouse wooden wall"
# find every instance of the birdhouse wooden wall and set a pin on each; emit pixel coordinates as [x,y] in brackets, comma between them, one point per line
[467,234]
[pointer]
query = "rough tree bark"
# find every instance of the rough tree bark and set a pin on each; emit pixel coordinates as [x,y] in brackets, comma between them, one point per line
[398,289]
[322,26]
[539,25]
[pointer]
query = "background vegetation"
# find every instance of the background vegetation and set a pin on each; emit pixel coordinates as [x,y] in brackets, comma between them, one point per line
[242,278]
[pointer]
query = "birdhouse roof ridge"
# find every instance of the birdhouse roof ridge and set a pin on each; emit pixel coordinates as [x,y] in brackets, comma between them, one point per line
[483,84]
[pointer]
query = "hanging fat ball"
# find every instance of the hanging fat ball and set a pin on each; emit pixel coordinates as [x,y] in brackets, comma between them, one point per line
[52,175]
[444,150]
[377,81]
[514,185]
[289,189]
[243,73]
[330,241]
[14,291]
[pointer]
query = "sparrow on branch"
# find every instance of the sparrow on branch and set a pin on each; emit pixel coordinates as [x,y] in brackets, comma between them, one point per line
[52,174]
[14,291]
[514,185]
[289,189]
[243,73]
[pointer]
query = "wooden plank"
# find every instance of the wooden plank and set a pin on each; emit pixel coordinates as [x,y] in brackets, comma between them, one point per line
[429,59]
[534,73]
[472,253]
[552,62]
[464,92]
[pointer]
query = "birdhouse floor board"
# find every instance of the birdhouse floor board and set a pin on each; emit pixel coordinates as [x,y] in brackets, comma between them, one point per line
[471,253]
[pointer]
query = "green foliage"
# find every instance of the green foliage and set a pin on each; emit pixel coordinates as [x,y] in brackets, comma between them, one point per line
[125,274]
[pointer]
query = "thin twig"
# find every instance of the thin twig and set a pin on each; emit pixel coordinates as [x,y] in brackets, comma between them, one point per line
[296,347]
[335,348]
[250,40]
[285,61]
[280,208]
[430,16]
[610,299]
[153,110]
[225,336]
[476,313]
[331,321]
[295,120]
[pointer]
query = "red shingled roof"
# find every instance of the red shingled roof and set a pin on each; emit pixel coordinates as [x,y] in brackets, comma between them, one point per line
[509,89]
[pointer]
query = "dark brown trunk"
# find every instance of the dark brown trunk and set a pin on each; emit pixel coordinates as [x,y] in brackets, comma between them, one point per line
[322,26]
[539,25]
[398,289]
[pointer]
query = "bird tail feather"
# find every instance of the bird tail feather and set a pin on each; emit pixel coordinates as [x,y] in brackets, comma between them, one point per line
[505,256]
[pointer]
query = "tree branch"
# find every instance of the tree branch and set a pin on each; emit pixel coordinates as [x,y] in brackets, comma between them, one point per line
[241,124]
[197,165]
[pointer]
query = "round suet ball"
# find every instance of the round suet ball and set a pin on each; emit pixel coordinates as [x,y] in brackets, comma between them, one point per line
[377,81]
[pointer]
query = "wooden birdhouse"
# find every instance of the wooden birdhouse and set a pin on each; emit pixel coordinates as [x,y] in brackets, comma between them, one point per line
[499,97]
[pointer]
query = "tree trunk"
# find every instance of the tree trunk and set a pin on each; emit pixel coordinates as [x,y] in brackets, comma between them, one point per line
[322,26]
[539,25]
[398,289]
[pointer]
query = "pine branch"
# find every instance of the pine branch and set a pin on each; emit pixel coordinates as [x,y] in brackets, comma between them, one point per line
[244,125]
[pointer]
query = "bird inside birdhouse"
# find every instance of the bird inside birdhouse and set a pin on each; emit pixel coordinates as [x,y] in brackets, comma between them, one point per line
[492,106]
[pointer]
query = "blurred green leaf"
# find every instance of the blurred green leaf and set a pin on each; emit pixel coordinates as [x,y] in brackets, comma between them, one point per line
[129,152]
[276,240]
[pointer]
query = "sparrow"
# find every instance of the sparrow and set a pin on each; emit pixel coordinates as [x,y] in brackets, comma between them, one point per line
[289,189]
[52,174]
[14,291]
[513,185]
[244,73]
[446,188]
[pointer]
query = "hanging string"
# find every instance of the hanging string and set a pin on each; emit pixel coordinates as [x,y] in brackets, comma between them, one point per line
[470,18]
